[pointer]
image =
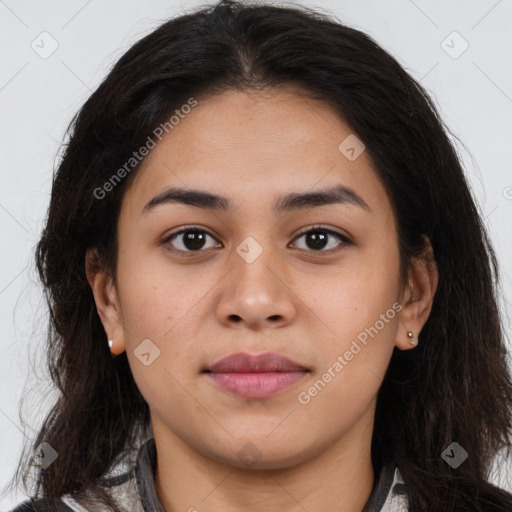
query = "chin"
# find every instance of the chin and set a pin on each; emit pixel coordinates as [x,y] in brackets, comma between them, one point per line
[264,454]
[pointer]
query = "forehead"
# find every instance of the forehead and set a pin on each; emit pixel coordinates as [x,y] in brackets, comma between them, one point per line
[253,145]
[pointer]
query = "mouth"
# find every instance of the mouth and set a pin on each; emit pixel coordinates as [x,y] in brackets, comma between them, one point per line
[255,376]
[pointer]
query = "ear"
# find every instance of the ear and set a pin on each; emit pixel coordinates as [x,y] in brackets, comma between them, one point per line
[106,299]
[418,297]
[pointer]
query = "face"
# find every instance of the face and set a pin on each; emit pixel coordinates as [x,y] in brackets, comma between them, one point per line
[314,280]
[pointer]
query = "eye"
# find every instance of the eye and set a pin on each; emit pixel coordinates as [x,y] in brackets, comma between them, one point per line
[189,240]
[193,239]
[317,238]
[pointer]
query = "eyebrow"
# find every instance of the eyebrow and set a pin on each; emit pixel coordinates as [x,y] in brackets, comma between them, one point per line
[339,194]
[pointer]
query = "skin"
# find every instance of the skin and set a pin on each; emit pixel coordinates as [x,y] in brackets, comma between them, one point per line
[305,303]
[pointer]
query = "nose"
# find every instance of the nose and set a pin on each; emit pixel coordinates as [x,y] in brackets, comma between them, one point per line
[257,295]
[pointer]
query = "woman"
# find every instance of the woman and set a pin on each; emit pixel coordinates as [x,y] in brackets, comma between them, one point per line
[269,284]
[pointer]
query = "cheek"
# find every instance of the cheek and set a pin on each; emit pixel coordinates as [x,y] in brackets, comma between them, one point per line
[152,298]
[360,352]
[355,363]
[334,407]
[360,322]
[353,301]
[161,307]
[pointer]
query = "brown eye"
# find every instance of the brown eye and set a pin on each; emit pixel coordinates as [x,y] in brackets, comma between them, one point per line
[188,240]
[194,240]
[318,238]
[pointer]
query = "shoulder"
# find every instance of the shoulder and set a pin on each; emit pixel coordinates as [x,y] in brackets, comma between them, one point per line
[122,489]
[42,505]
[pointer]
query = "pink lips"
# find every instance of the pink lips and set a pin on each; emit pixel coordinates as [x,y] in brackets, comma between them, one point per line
[255,376]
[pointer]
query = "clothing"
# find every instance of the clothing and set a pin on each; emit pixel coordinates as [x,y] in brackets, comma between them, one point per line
[135,491]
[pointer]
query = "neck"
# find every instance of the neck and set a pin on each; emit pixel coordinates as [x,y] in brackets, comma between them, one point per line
[340,478]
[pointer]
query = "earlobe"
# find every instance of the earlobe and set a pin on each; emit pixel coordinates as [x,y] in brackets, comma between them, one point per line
[418,298]
[411,338]
[107,303]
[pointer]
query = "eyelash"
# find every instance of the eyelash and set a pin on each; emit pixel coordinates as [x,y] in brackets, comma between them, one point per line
[317,228]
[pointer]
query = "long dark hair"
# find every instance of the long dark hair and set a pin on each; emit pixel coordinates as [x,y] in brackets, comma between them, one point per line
[454,386]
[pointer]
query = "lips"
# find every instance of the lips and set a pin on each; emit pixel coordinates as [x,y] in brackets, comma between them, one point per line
[255,376]
[263,363]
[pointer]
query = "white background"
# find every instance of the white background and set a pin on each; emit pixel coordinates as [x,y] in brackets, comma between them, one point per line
[39,96]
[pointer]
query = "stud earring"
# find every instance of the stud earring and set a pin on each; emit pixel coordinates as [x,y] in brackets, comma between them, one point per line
[110,343]
[412,341]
